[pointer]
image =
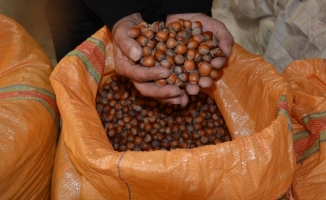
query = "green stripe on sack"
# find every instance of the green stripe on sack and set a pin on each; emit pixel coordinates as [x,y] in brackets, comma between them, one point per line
[309,152]
[98,43]
[282,107]
[12,88]
[307,118]
[89,66]
[42,101]
[322,136]
[300,135]
[32,93]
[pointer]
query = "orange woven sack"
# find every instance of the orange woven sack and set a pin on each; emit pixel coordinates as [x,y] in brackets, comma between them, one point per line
[258,164]
[308,80]
[29,117]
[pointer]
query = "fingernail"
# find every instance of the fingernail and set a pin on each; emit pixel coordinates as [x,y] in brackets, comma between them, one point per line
[134,54]
[164,74]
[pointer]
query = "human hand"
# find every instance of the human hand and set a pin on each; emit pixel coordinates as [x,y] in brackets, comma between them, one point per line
[142,77]
[219,30]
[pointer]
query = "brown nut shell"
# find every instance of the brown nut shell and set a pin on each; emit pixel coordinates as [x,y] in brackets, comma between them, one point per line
[193,78]
[161,36]
[208,35]
[159,55]
[160,82]
[191,53]
[205,69]
[203,49]
[176,26]
[134,32]
[171,43]
[142,40]
[198,38]
[151,43]
[166,64]
[149,33]
[181,49]
[146,51]
[196,24]
[179,59]
[148,61]
[161,46]
[189,65]
[217,52]
[192,44]
[215,74]
[187,24]
[171,79]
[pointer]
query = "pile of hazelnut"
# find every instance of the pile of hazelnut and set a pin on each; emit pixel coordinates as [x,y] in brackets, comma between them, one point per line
[137,123]
[182,47]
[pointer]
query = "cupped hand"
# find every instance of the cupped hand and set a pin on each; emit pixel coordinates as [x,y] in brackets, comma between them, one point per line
[219,30]
[143,78]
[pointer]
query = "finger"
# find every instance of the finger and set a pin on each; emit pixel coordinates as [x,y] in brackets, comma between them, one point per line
[151,90]
[139,73]
[218,62]
[184,99]
[173,100]
[129,46]
[192,89]
[225,38]
[205,82]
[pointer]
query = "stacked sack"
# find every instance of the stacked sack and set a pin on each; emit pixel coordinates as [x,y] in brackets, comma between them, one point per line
[254,99]
[29,117]
[308,81]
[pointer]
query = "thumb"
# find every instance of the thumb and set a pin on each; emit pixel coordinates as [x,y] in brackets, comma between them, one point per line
[128,46]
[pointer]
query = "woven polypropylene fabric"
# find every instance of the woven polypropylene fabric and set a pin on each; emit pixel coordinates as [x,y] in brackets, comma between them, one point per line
[29,118]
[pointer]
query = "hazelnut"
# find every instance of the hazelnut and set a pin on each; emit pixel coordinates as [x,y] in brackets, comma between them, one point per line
[142,40]
[146,51]
[151,43]
[161,36]
[180,49]
[149,33]
[205,69]
[193,78]
[203,49]
[191,53]
[189,65]
[196,24]
[161,46]
[217,52]
[215,74]
[176,26]
[208,35]
[157,26]
[159,55]
[134,32]
[179,59]
[160,82]
[192,44]
[187,24]
[148,61]
[171,43]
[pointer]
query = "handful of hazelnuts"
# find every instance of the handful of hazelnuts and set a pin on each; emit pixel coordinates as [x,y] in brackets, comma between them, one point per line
[182,47]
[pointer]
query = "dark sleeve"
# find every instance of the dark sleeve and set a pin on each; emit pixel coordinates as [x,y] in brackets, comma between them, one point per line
[187,6]
[112,11]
